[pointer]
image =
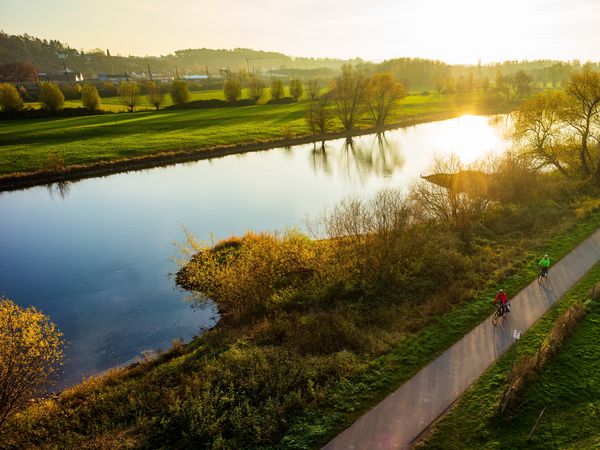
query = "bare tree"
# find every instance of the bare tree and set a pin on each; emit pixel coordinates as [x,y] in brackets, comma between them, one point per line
[296,89]
[349,95]
[319,115]
[276,89]
[582,111]
[539,130]
[255,88]
[129,91]
[383,95]
[232,89]
[156,96]
[454,194]
[313,88]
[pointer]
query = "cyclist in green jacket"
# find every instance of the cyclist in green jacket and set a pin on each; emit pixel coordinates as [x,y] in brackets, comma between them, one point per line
[545,265]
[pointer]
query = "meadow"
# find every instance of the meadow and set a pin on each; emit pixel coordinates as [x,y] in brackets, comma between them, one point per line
[30,145]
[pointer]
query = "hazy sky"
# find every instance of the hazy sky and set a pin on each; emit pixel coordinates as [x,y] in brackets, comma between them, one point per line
[457,31]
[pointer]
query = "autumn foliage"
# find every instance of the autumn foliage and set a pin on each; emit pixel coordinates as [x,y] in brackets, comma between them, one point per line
[30,354]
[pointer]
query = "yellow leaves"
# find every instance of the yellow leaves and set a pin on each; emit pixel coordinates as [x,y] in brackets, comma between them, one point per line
[30,351]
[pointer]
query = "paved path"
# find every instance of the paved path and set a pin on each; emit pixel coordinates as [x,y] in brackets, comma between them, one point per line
[404,414]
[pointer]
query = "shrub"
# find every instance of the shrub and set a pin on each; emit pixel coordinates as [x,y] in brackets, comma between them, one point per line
[276,89]
[10,100]
[232,90]
[129,91]
[29,355]
[180,92]
[50,96]
[296,89]
[155,94]
[90,99]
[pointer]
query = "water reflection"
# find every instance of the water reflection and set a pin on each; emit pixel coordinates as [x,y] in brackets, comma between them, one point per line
[60,188]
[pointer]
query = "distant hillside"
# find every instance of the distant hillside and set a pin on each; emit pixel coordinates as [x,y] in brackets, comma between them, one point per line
[53,55]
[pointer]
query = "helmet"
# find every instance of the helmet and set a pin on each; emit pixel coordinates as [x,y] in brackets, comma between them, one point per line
[501,290]
[546,255]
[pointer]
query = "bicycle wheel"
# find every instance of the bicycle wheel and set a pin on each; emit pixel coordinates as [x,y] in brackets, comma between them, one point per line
[495,317]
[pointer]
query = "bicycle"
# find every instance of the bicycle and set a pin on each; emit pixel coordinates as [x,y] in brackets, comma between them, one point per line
[543,275]
[501,311]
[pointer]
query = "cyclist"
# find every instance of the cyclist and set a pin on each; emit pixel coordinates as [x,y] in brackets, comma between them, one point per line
[545,265]
[501,299]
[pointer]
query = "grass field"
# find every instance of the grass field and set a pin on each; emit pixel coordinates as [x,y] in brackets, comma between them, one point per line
[25,145]
[568,388]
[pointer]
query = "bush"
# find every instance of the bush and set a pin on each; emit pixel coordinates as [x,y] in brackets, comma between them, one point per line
[179,92]
[129,91]
[90,99]
[296,89]
[29,355]
[10,100]
[51,97]
[232,90]
[276,89]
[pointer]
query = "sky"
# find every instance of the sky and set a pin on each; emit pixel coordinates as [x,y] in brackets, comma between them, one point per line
[458,31]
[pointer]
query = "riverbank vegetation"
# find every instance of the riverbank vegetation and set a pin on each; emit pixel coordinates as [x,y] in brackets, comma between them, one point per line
[315,329]
[556,407]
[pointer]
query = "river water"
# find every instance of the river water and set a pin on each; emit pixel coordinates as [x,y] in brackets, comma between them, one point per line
[96,255]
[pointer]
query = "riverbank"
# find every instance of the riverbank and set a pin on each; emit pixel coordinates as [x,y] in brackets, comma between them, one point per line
[315,358]
[47,159]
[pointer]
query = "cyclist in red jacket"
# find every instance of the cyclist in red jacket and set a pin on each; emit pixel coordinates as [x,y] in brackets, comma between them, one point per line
[501,299]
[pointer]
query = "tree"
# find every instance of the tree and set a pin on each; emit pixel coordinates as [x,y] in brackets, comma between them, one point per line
[156,96]
[180,92]
[90,99]
[348,94]
[383,95]
[296,89]
[129,91]
[582,111]
[18,72]
[538,127]
[522,84]
[484,84]
[10,100]
[504,87]
[255,88]
[313,88]
[459,201]
[30,354]
[232,89]
[319,115]
[276,89]
[51,97]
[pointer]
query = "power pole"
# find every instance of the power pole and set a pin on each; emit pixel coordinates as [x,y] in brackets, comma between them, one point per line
[176,72]
[150,72]
[207,74]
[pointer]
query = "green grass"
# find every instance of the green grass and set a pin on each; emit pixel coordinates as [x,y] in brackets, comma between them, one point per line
[568,387]
[26,144]
[351,398]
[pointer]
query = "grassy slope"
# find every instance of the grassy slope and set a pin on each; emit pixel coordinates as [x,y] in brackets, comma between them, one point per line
[569,388]
[25,144]
[352,398]
[347,399]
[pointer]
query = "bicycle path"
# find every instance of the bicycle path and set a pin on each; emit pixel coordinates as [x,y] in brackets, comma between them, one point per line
[404,414]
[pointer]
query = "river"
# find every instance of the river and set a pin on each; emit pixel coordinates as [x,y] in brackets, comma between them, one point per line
[97,255]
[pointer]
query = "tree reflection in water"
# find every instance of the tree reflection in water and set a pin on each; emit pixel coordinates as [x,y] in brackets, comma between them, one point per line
[358,159]
[60,188]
